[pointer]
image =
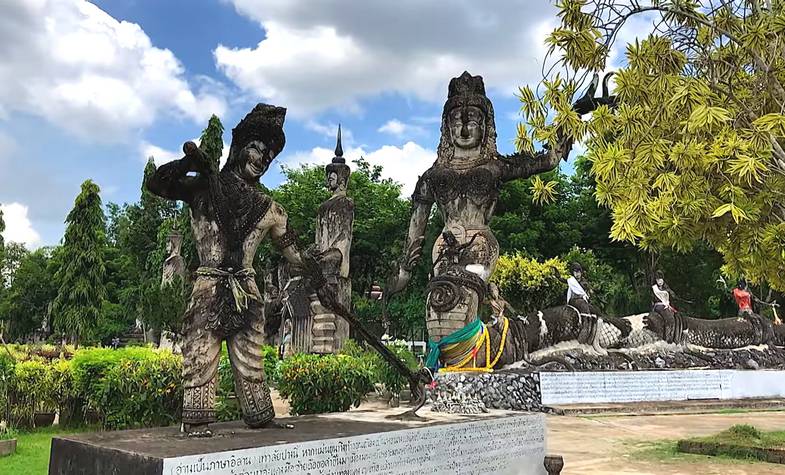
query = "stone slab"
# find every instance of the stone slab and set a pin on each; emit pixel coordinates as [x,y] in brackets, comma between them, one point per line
[667,385]
[650,408]
[496,443]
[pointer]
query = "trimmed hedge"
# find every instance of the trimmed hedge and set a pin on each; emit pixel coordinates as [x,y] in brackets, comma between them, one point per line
[315,384]
[142,393]
[383,373]
[124,388]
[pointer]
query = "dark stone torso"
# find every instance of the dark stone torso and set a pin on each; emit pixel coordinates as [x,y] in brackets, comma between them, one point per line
[225,218]
[228,223]
[466,197]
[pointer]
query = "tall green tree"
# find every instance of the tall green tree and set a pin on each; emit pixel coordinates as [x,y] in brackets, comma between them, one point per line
[81,277]
[695,149]
[27,301]
[139,238]
[2,250]
[211,141]
[2,230]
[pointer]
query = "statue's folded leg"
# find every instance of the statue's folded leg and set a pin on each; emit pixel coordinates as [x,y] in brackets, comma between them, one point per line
[253,394]
[201,354]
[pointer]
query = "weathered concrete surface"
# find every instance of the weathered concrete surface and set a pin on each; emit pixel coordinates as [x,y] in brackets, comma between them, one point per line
[701,406]
[141,452]
[606,445]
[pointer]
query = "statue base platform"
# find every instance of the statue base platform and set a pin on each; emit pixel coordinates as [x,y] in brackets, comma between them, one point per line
[361,442]
[518,390]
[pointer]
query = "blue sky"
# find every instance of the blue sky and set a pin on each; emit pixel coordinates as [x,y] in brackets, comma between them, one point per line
[89,90]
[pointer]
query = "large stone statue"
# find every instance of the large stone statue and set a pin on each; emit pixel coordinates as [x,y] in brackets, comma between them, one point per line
[230,216]
[174,265]
[334,222]
[464,183]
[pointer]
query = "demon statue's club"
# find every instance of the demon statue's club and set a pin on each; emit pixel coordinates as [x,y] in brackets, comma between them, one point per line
[230,217]
[464,183]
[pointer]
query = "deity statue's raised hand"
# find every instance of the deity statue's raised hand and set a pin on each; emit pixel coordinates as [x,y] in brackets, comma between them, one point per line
[198,161]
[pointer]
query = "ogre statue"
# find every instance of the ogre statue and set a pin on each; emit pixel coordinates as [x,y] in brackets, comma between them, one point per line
[230,217]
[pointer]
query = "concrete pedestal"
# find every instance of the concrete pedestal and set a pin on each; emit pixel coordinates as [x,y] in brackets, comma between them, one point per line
[498,443]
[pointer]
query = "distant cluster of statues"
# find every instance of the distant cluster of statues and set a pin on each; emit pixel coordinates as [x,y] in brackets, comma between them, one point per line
[231,216]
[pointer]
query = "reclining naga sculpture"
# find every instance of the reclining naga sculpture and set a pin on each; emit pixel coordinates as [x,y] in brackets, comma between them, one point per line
[464,183]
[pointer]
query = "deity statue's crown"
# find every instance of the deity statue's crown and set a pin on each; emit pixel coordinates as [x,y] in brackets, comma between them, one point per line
[338,164]
[466,84]
[263,123]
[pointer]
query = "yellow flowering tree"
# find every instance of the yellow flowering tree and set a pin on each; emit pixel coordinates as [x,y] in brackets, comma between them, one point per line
[693,148]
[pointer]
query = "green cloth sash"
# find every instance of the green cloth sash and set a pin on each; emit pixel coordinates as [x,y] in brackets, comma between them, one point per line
[435,349]
[241,297]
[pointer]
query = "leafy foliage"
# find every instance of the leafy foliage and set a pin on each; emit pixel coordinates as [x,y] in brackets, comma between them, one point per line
[693,152]
[529,284]
[2,250]
[78,303]
[379,214]
[383,373]
[142,393]
[90,365]
[211,141]
[314,384]
[31,390]
[26,302]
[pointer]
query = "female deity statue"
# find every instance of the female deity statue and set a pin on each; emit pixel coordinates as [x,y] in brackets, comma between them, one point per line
[464,183]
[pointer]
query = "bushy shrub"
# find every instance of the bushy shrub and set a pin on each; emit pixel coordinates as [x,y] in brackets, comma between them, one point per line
[315,384]
[89,365]
[145,392]
[383,372]
[529,284]
[68,401]
[30,391]
[389,376]
[227,407]
[6,380]
[271,361]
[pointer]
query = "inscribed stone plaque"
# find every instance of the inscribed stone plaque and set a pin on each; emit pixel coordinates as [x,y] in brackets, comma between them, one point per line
[511,445]
[631,386]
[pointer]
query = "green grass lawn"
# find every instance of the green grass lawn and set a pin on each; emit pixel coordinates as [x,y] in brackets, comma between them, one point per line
[32,452]
[747,436]
[744,442]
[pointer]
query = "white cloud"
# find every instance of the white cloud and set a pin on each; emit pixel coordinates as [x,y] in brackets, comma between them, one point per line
[403,164]
[330,130]
[82,70]
[18,227]
[161,155]
[319,55]
[399,129]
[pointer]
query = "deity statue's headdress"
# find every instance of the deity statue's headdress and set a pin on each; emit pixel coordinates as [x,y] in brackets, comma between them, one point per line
[467,90]
[338,164]
[265,124]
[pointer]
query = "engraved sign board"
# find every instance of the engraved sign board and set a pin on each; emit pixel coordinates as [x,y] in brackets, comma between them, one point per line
[638,386]
[509,445]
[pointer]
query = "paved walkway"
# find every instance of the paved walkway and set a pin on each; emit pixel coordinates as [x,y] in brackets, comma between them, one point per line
[607,445]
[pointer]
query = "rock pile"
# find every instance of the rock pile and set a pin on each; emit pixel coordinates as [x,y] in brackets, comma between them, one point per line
[471,393]
[747,358]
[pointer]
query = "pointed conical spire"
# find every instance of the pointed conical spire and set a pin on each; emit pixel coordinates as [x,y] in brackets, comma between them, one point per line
[339,148]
